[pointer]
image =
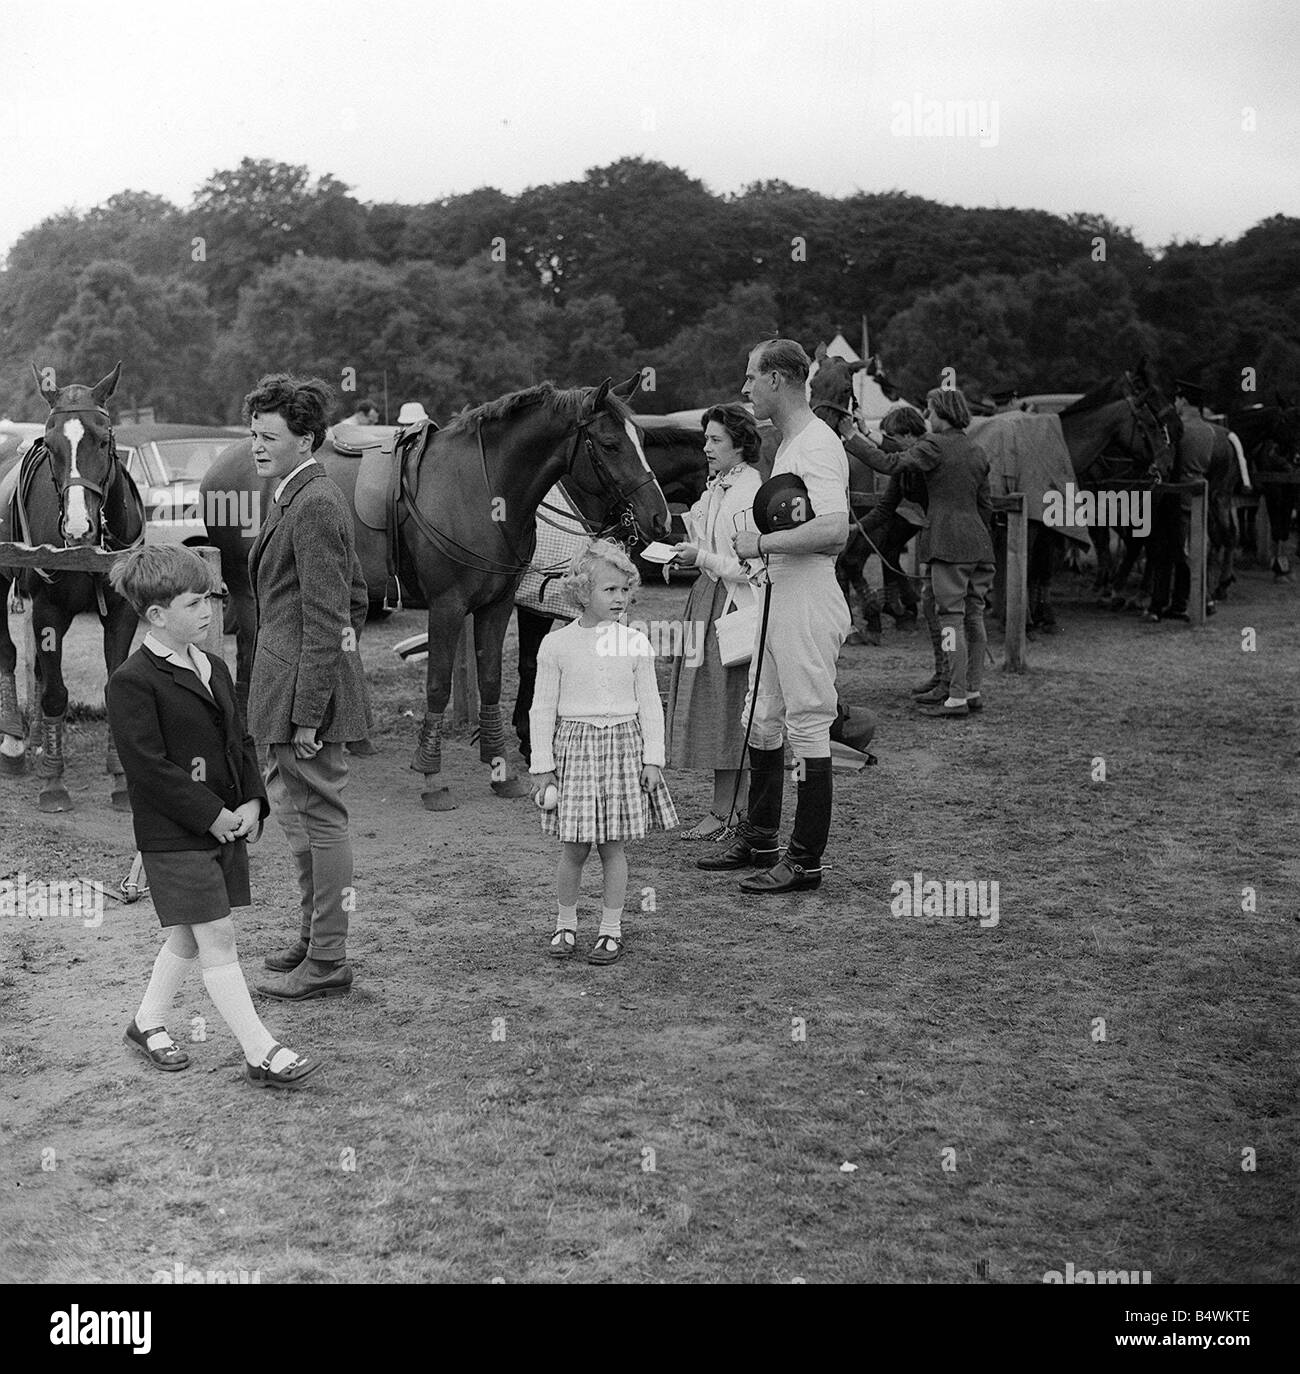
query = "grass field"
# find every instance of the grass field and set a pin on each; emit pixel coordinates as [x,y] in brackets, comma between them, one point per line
[1106,1077]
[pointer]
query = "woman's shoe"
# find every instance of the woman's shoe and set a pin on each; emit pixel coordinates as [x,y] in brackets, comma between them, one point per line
[935,698]
[264,1076]
[928,685]
[696,833]
[170,1059]
[563,945]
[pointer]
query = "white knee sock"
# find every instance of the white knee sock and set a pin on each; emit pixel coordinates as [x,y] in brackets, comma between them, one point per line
[228,990]
[611,922]
[169,971]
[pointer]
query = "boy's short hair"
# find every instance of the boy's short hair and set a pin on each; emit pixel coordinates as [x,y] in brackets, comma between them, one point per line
[903,421]
[303,402]
[577,581]
[156,574]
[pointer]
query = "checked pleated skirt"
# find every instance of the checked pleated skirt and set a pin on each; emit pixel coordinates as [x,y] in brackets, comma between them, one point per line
[599,777]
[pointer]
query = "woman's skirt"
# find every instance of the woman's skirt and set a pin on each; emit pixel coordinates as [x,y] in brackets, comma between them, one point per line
[190,887]
[599,776]
[706,702]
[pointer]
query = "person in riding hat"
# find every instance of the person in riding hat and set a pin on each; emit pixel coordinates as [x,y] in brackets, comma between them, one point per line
[1171,574]
[792,683]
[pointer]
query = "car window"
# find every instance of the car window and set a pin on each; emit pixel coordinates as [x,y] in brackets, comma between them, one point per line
[135,466]
[186,460]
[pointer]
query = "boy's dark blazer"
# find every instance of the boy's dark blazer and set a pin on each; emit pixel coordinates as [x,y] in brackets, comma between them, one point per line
[184,750]
[309,591]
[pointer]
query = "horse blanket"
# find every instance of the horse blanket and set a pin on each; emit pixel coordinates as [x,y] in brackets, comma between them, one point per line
[540,589]
[1027,452]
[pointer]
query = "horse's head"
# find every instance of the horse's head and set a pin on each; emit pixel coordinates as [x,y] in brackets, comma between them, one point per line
[830,391]
[83,459]
[607,459]
[1156,426]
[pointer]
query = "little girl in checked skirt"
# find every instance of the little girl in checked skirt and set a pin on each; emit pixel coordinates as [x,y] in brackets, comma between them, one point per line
[596,678]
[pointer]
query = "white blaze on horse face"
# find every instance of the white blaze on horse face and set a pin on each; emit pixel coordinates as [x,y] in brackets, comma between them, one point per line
[76,520]
[636,444]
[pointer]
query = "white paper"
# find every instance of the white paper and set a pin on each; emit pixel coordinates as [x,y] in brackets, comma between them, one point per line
[658,553]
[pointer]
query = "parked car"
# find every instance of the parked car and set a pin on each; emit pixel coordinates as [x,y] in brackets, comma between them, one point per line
[16,436]
[167,463]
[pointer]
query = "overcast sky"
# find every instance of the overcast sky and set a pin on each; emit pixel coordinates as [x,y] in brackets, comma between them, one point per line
[1129,108]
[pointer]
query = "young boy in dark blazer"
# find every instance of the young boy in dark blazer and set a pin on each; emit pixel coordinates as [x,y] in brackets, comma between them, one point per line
[196,794]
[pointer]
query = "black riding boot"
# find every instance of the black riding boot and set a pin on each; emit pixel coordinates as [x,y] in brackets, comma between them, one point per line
[754,845]
[801,866]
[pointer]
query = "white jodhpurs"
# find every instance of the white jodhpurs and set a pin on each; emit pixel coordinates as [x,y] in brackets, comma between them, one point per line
[808,623]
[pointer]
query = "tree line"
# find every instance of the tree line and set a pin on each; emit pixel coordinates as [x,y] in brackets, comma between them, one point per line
[635,266]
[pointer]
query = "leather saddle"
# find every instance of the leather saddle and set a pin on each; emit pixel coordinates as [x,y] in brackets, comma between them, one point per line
[388,466]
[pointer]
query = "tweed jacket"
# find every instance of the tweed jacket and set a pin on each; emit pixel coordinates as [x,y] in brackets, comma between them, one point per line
[956,475]
[311,604]
[183,748]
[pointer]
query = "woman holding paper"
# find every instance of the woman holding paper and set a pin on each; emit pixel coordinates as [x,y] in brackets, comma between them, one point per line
[706,700]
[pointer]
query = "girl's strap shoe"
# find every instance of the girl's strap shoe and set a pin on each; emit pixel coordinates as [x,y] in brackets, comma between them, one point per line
[264,1076]
[170,1058]
[608,949]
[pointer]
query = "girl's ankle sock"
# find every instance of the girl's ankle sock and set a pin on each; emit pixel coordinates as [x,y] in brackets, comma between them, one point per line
[567,916]
[611,922]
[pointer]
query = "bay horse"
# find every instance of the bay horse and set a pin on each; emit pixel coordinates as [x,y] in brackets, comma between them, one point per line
[74,493]
[466,531]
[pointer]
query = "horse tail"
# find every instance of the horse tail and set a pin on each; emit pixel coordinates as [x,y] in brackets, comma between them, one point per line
[1241,460]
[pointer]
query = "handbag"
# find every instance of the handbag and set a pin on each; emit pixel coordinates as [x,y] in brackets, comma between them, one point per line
[736,631]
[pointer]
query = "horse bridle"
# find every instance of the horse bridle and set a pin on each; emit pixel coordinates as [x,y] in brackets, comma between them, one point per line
[618,498]
[114,472]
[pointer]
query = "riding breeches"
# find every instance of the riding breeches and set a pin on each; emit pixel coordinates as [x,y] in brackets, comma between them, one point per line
[807,624]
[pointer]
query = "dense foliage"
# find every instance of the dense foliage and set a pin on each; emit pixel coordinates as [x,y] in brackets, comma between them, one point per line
[638,265]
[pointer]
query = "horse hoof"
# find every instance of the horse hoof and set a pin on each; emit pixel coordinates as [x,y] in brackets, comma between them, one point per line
[512,787]
[13,765]
[437,799]
[54,799]
[362,748]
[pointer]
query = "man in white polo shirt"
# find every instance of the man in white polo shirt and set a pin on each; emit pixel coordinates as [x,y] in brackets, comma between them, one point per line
[808,623]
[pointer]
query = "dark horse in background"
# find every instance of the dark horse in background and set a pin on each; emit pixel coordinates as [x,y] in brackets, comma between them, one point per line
[466,531]
[1125,416]
[1270,438]
[75,494]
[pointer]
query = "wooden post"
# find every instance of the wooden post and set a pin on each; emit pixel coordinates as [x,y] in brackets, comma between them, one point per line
[464,679]
[1013,642]
[215,642]
[1196,555]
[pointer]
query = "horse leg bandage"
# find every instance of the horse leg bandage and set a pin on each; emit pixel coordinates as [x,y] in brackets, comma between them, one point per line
[428,748]
[51,765]
[491,734]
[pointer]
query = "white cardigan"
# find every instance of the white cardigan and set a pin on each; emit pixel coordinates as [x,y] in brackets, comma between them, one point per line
[714,526]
